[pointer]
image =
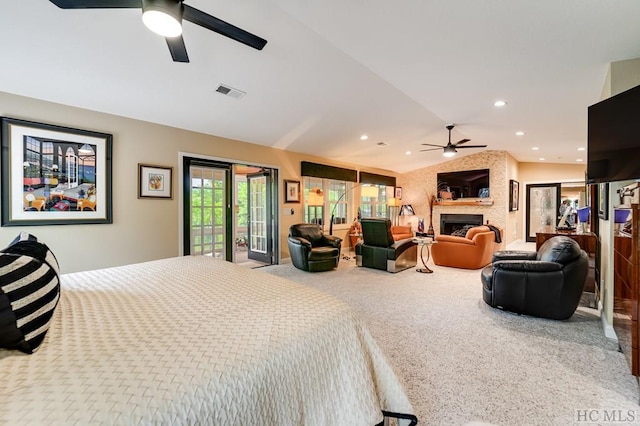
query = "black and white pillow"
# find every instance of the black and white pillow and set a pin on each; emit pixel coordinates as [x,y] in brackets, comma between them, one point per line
[29,293]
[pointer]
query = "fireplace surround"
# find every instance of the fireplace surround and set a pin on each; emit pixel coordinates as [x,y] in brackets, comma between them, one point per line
[450,223]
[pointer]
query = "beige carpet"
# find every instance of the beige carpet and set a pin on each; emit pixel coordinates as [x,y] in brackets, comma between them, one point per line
[463,361]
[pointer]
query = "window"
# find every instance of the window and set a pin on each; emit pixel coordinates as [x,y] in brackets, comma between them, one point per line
[321,196]
[375,207]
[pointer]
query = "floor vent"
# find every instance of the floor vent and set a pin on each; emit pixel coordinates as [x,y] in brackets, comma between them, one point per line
[230,91]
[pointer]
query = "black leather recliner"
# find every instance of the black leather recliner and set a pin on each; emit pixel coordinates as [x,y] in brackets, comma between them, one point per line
[311,250]
[545,284]
[378,249]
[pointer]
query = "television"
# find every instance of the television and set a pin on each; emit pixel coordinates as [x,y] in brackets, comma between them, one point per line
[613,140]
[463,184]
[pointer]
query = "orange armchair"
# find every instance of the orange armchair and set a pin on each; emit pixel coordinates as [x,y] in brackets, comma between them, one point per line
[473,251]
[400,232]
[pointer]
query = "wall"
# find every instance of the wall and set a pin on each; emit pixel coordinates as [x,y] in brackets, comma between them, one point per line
[419,185]
[142,229]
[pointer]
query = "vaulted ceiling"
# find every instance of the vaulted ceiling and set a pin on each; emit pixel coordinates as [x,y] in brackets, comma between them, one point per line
[332,71]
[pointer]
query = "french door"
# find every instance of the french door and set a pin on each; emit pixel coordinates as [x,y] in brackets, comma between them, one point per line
[260,222]
[542,207]
[207,221]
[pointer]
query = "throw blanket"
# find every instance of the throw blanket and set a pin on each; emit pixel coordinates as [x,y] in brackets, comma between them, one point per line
[497,232]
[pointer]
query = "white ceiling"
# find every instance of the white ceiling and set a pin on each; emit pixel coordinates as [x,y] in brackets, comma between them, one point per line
[333,70]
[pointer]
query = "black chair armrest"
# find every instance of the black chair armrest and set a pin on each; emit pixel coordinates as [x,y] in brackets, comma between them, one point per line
[514,255]
[300,242]
[332,240]
[401,243]
[527,266]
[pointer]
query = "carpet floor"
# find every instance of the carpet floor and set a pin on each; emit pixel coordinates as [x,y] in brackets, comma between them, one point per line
[465,362]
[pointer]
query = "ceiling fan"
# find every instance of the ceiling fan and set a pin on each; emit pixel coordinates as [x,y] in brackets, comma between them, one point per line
[450,148]
[165,17]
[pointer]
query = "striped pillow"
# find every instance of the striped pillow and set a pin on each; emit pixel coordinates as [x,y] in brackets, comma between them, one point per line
[29,293]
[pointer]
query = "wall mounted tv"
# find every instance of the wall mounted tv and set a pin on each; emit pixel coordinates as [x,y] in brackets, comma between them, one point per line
[464,184]
[613,149]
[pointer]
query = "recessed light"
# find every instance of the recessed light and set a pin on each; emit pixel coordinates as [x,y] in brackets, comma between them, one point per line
[520,133]
[408,153]
[541,158]
[579,160]
[581,148]
[535,148]
[364,137]
[499,103]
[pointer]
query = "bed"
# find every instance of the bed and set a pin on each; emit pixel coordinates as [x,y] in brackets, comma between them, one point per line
[196,340]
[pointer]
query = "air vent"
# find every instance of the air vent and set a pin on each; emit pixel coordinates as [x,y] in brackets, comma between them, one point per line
[382,144]
[230,91]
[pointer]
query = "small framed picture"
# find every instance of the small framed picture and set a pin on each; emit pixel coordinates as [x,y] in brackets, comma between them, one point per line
[155,181]
[291,191]
[514,195]
[603,201]
[398,193]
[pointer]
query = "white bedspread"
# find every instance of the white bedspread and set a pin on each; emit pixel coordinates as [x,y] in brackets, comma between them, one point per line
[195,340]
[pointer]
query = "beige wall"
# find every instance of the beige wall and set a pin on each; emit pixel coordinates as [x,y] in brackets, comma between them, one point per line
[142,229]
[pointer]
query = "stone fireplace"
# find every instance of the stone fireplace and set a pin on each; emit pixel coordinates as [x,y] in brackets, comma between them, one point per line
[450,223]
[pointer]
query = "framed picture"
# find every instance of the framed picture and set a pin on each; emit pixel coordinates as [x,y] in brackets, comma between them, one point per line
[514,195]
[398,193]
[291,191]
[155,181]
[53,175]
[603,201]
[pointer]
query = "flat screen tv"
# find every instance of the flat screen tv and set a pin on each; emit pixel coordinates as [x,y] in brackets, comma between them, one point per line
[613,149]
[463,184]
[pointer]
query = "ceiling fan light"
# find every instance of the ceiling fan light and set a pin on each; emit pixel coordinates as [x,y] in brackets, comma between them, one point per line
[449,151]
[163,17]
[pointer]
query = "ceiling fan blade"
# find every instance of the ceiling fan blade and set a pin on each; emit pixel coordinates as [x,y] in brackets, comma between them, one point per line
[221,27]
[431,149]
[177,48]
[461,141]
[472,146]
[97,4]
[430,144]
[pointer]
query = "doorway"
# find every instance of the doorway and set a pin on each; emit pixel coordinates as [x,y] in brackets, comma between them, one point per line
[229,212]
[542,207]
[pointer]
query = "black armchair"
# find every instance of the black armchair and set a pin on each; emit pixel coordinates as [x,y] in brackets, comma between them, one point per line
[311,250]
[378,249]
[545,284]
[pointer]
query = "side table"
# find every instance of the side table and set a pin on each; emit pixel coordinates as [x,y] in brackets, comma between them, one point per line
[422,243]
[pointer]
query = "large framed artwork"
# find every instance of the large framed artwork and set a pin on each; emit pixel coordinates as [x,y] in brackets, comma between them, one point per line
[514,195]
[53,175]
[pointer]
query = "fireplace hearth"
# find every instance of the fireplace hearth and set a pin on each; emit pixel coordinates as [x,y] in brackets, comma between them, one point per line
[450,223]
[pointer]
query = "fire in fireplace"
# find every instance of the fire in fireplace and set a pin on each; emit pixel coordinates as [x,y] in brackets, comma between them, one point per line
[450,223]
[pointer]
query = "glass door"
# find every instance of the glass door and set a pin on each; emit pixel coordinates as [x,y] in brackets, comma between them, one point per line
[208,221]
[260,222]
[542,207]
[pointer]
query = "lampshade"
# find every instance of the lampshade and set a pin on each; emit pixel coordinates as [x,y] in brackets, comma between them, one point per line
[583,214]
[369,191]
[315,197]
[407,210]
[449,151]
[163,17]
[621,215]
[393,202]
